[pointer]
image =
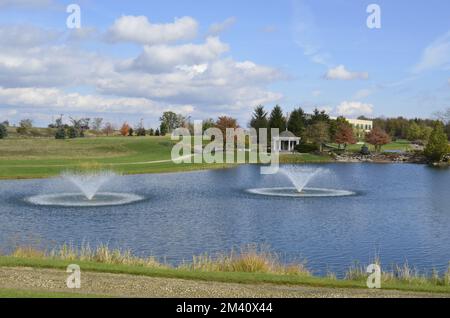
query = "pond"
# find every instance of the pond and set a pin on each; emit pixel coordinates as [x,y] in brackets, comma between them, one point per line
[398,212]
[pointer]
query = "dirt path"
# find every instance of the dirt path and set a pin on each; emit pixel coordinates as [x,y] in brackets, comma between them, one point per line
[138,286]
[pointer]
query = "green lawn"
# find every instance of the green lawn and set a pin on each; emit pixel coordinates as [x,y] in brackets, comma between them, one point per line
[45,157]
[227,277]
[401,145]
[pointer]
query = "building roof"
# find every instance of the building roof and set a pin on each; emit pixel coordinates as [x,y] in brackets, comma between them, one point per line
[287,134]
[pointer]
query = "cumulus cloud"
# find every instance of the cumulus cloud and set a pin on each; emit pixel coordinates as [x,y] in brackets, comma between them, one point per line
[341,73]
[195,78]
[220,27]
[139,29]
[354,109]
[160,58]
[435,56]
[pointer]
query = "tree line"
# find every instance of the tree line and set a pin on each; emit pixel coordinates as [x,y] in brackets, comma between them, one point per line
[316,130]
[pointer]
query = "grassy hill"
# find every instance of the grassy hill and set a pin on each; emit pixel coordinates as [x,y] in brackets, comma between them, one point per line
[44,157]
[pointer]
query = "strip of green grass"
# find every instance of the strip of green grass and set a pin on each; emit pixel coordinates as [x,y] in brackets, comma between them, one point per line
[16,293]
[226,277]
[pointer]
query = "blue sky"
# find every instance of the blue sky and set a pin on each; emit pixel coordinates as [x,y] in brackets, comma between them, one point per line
[134,59]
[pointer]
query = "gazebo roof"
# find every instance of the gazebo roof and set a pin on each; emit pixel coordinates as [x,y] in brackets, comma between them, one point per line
[288,135]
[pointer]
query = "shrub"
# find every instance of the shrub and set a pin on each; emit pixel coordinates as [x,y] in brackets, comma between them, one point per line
[3,131]
[306,148]
[60,133]
[72,133]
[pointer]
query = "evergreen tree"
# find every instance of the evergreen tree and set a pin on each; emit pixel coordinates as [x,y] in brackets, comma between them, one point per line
[60,133]
[3,131]
[297,122]
[277,119]
[259,118]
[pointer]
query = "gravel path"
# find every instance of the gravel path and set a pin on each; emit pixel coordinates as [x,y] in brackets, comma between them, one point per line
[138,286]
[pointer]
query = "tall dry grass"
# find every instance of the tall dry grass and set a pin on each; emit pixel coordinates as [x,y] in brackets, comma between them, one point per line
[249,259]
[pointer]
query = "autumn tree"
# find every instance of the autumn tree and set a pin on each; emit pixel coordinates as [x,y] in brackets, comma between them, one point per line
[125,129]
[437,145]
[344,135]
[378,138]
[224,122]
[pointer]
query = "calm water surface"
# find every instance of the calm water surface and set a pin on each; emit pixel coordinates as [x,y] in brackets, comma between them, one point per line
[400,213]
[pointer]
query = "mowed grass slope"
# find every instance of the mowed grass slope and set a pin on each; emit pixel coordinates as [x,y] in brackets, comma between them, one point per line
[45,157]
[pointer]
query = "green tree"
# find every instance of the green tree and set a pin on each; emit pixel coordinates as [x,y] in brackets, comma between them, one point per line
[318,133]
[172,121]
[320,116]
[259,118]
[277,119]
[163,130]
[414,132]
[208,123]
[3,131]
[72,132]
[297,122]
[437,145]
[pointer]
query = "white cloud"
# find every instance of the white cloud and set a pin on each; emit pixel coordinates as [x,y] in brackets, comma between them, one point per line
[25,36]
[58,100]
[138,29]
[341,73]
[354,109]
[316,93]
[220,27]
[195,78]
[435,56]
[161,58]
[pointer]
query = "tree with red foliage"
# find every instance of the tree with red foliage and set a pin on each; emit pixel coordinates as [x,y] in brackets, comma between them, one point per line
[345,135]
[378,138]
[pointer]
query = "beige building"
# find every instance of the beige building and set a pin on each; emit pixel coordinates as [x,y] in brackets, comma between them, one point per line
[360,126]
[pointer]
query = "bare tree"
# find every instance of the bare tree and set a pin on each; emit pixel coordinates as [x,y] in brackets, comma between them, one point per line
[97,124]
[108,129]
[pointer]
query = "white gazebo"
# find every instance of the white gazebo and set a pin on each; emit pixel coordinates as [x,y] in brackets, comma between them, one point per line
[286,142]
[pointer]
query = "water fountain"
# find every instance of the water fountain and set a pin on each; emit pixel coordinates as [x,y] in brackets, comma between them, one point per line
[88,184]
[300,177]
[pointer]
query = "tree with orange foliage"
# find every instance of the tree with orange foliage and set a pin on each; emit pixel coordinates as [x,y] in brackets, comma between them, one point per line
[224,122]
[345,135]
[125,130]
[378,138]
